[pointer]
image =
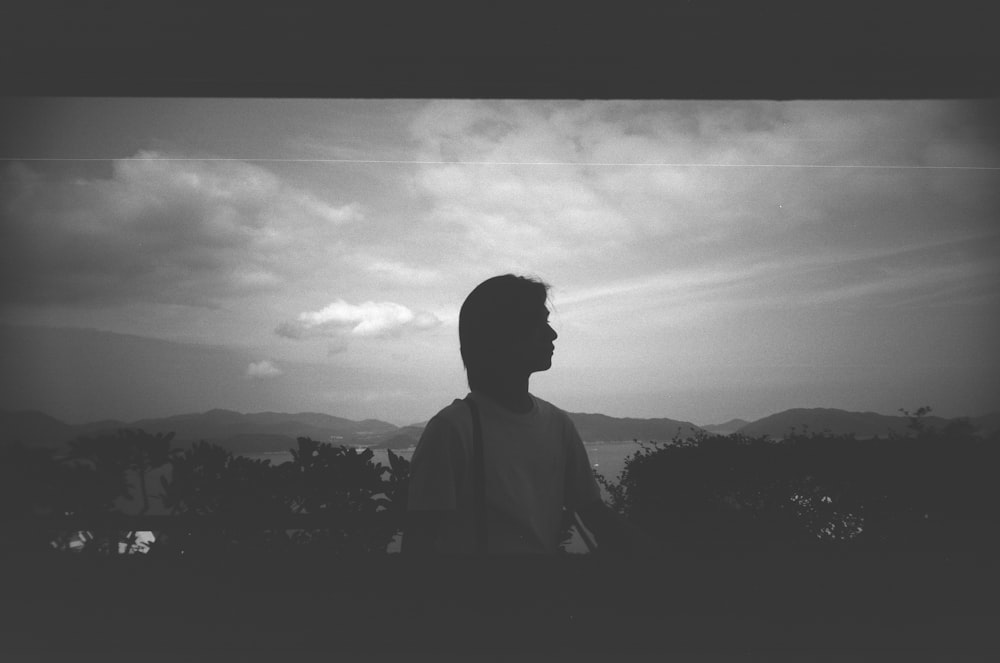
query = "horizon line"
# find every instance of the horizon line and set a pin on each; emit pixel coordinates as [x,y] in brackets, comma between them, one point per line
[4,411]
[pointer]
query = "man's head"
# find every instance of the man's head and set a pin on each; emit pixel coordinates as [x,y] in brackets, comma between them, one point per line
[503,327]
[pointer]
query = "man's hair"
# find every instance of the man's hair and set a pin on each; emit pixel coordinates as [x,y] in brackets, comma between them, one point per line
[497,310]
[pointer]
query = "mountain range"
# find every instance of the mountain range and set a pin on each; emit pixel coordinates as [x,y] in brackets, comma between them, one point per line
[726,428]
[837,422]
[274,431]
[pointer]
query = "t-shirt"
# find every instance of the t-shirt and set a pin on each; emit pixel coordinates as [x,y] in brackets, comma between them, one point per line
[535,465]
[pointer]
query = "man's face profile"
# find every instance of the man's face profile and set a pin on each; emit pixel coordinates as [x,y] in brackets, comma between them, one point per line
[532,350]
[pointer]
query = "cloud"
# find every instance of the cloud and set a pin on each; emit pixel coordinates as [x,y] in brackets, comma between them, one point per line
[382,271]
[398,272]
[564,184]
[369,319]
[263,369]
[609,191]
[162,230]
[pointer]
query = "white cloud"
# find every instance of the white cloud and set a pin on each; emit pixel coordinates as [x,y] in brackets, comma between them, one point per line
[537,188]
[263,369]
[402,273]
[368,319]
[163,230]
[711,204]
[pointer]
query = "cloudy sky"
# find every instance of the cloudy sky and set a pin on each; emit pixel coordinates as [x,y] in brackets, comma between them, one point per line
[709,260]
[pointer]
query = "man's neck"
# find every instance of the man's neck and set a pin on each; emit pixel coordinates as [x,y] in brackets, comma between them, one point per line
[509,392]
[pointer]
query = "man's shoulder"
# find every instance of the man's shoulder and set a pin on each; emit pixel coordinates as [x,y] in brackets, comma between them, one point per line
[548,410]
[453,416]
[453,411]
[446,432]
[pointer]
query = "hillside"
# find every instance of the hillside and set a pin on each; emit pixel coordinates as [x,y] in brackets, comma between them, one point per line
[248,433]
[987,424]
[34,429]
[727,427]
[249,443]
[275,431]
[403,438]
[220,425]
[397,442]
[837,422]
[272,431]
[602,428]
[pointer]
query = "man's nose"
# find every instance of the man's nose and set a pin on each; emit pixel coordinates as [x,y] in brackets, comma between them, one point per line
[552,333]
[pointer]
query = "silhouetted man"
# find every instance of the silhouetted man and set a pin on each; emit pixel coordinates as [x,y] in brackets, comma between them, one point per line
[533,463]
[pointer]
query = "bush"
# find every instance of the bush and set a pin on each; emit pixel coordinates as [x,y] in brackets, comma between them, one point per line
[928,489]
[249,502]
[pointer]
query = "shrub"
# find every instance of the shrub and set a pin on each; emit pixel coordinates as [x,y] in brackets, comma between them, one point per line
[246,500]
[928,489]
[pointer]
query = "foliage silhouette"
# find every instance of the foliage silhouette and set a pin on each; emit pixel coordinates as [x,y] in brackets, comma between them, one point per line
[104,462]
[92,478]
[247,499]
[32,485]
[320,480]
[927,489]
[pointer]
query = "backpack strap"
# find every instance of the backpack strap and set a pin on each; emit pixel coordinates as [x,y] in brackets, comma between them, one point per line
[478,478]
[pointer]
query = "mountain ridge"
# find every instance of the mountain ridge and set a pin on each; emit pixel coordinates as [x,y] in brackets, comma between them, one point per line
[596,427]
[277,431]
[844,422]
[726,427]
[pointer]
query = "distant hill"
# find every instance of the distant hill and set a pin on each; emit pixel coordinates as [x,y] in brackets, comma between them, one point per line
[602,428]
[250,443]
[240,433]
[220,425]
[837,422]
[987,424]
[34,429]
[275,431]
[592,428]
[103,426]
[726,428]
[403,438]
[396,442]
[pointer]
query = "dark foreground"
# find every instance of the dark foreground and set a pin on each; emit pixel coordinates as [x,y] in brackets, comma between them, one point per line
[716,606]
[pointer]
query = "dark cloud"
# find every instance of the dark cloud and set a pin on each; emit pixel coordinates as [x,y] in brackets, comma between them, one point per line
[82,375]
[173,231]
